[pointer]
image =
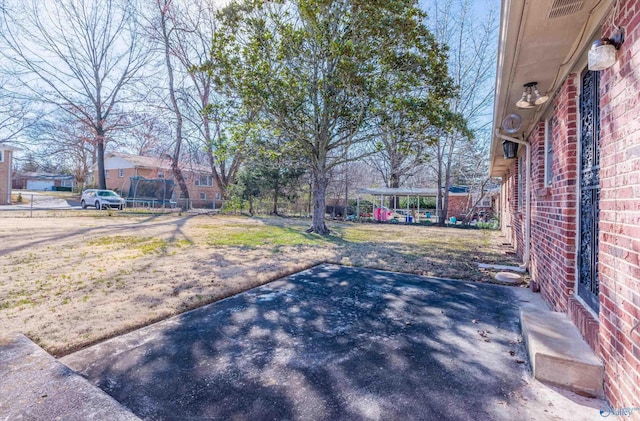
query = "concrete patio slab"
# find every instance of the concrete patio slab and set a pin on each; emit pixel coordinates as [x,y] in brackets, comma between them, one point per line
[330,343]
[35,386]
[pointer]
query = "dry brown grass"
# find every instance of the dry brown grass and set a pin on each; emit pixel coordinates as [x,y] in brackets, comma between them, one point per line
[68,282]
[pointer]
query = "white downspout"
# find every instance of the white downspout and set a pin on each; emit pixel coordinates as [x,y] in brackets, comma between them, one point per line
[527,225]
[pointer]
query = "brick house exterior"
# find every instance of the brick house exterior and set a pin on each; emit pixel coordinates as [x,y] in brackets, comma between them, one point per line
[6,158]
[120,167]
[584,231]
[461,201]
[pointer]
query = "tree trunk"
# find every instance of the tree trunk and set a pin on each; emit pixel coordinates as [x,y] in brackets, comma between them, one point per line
[276,194]
[394,183]
[102,182]
[182,184]
[345,215]
[445,203]
[440,216]
[310,196]
[319,202]
[447,179]
[175,159]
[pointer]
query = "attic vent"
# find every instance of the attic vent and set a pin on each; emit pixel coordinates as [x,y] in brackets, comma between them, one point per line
[561,8]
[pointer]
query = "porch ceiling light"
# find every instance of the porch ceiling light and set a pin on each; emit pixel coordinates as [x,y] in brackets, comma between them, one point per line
[602,54]
[531,96]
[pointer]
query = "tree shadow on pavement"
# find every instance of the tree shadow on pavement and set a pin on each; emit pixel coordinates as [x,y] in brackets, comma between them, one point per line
[331,342]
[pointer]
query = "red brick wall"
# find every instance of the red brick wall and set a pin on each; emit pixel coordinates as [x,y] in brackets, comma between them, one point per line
[209,191]
[620,213]
[516,215]
[458,206]
[553,208]
[121,184]
[554,211]
[5,172]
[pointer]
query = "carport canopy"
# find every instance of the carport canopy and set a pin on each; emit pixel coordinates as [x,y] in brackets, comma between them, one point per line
[391,191]
[384,192]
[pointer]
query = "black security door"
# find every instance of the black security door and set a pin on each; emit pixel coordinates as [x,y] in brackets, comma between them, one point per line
[588,284]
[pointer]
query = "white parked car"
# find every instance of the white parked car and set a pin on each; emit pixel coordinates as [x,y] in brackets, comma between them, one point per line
[101,199]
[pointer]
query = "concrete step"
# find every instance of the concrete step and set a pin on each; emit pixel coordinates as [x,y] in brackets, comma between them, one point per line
[36,386]
[558,354]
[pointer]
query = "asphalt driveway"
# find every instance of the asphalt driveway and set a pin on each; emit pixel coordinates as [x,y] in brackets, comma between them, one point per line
[328,343]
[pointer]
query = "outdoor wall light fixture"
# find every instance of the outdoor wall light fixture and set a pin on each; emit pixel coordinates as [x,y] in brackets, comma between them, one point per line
[531,96]
[602,54]
[509,149]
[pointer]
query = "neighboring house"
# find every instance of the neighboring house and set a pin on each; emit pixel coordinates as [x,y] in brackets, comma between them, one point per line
[42,181]
[462,199]
[570,197]
[120,167]
[6,158]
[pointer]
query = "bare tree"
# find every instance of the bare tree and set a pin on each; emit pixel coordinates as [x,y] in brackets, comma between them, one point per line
[472,41]
[15,115]
[146,134]
[166,35]
[215,116]
[67,142]
[76,55]
[473,171]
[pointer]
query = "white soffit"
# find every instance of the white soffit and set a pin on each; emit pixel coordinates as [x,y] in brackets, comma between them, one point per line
[560,8]
[540,40]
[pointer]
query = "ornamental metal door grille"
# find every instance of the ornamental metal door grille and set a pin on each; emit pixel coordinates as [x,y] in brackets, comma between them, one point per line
[588,284]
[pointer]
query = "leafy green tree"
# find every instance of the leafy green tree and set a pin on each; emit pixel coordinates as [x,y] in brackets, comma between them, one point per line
[246,189]
[279,178]
[315,68]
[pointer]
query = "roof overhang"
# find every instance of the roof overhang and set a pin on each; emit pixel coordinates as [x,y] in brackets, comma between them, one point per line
[541,41]
[8,147]
[390,191]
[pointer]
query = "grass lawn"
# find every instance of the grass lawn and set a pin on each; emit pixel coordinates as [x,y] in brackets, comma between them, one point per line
[74,279]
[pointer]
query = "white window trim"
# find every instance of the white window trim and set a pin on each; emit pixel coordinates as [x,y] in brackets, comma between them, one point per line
[208,180]
[482,202]
[106,173]
[203,196]
[548,147]
[121,173]
[1,155]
